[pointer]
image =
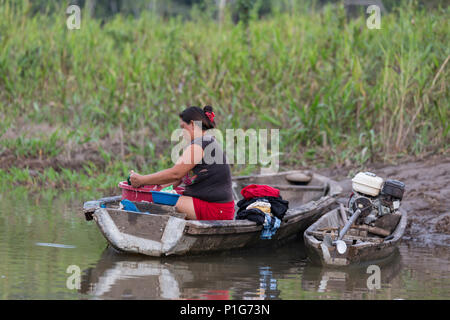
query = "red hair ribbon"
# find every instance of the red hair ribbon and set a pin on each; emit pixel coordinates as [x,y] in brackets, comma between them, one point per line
[210,116]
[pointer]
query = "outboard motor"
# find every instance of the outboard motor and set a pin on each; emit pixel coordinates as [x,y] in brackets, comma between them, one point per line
[374,197]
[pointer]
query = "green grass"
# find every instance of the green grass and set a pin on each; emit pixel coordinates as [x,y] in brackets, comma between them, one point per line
[339,92]
[33,147]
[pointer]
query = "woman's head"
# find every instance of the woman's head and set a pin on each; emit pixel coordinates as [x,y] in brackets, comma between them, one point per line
[193,116]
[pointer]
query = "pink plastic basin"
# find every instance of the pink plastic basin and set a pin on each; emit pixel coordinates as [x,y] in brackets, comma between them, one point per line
[142,193]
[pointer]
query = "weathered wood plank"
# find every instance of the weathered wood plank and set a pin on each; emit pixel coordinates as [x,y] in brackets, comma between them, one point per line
[221,227]
[283,187]
[374,230]
[91,206]
[320,235]
[343,213]
[149,227]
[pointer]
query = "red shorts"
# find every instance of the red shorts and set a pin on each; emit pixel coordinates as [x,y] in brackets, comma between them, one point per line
[213,210]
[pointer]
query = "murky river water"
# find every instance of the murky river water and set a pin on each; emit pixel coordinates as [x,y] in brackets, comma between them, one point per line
[41,236]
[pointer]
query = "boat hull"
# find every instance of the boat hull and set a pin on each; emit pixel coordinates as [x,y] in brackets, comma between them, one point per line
[355,254]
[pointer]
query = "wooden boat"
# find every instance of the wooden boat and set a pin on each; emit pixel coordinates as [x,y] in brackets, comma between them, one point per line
[165,232]
[362,244]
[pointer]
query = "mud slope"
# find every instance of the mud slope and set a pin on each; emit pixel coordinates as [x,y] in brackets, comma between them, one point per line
[427,196]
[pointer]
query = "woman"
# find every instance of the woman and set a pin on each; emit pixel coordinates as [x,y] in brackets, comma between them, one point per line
[208,193]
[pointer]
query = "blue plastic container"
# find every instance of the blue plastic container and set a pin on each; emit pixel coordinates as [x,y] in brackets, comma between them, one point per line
[169,199]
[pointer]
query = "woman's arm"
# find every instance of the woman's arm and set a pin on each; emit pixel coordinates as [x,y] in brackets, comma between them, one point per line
[191,156]
[175,184]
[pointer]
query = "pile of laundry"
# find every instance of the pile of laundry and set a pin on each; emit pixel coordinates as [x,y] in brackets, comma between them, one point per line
[263,205]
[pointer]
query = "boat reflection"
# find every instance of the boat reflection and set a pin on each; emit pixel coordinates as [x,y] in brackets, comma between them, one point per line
[129,277]
[275,273]
[353,282]
[234,275]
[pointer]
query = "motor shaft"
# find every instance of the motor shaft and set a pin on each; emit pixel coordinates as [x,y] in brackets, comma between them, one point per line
[349,224]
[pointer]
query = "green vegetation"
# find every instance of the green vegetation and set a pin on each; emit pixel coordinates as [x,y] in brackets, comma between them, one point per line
[84,106]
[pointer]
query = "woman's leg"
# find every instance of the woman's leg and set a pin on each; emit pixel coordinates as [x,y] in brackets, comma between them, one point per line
[185,205]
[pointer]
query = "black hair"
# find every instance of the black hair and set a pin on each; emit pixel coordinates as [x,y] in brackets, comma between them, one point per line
[197,114]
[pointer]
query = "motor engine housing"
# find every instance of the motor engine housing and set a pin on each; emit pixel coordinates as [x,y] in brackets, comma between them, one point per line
[374,199]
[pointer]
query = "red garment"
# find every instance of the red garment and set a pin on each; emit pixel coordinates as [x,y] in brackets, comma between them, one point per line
[212,210]
[258,190]
[217,295]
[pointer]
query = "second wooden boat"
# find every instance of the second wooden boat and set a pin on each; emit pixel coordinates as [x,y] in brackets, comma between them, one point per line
[364,243]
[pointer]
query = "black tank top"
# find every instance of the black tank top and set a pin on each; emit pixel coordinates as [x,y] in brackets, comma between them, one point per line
[210,180]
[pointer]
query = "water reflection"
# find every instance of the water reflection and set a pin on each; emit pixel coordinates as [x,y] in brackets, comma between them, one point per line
[41,235]
[237,275]
[350,281]
[277,273]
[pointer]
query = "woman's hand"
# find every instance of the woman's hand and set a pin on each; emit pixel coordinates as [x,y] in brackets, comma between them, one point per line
[136,179]
[190,158]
